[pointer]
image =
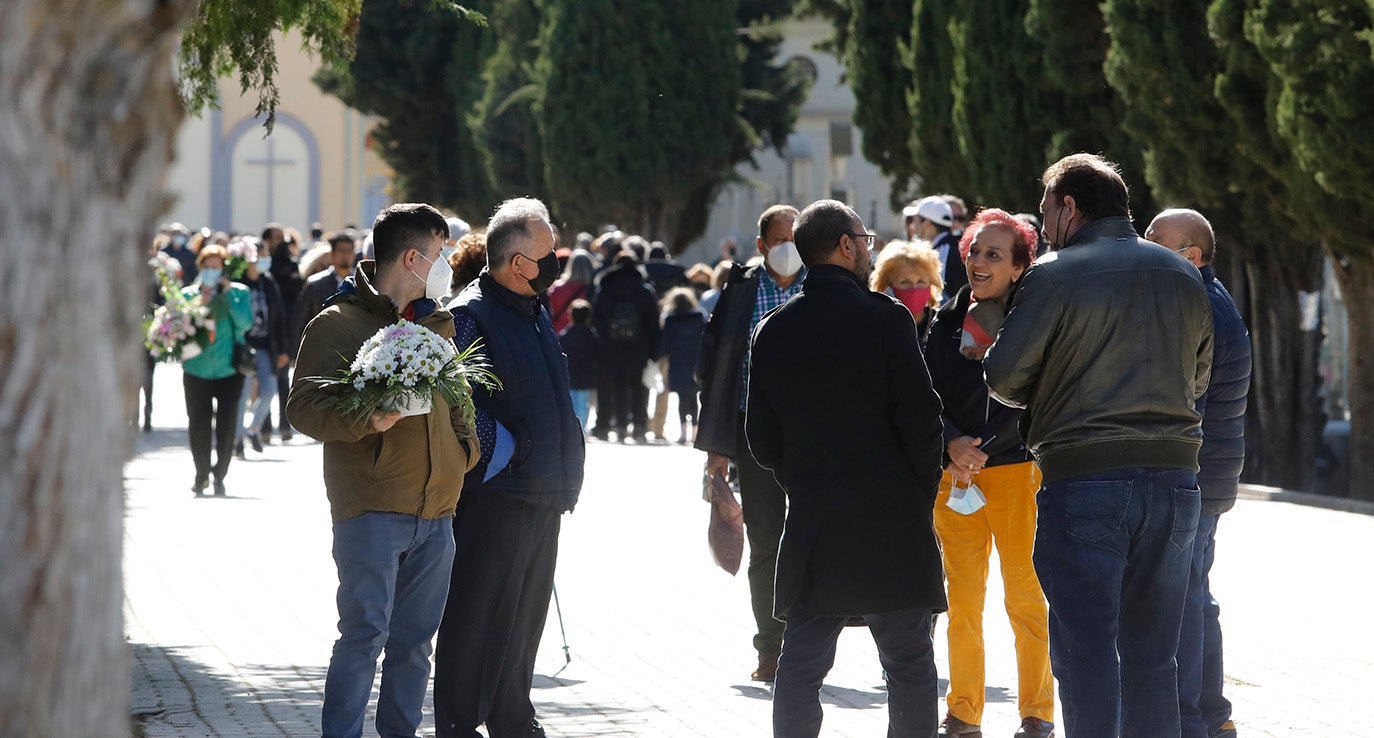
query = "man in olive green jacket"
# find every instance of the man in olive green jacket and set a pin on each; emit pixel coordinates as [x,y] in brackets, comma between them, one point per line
[392,481]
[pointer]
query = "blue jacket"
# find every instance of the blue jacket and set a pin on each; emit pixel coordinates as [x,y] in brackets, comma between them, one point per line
[534,402]
[1222,406]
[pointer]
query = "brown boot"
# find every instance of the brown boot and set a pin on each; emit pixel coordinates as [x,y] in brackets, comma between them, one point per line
[768,668]
[953,726]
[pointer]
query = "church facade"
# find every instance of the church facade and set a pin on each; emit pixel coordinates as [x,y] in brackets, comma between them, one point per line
[315,166]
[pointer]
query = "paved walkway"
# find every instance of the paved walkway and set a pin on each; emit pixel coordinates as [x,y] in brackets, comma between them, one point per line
[230,614]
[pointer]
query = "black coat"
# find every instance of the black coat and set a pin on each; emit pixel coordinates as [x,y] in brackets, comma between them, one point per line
[581,346]
[319,288]
[969,409]
[840,407]
[680,341]
[954,273]
[614,287]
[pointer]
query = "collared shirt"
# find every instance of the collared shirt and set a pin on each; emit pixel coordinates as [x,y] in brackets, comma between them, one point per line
[769,296]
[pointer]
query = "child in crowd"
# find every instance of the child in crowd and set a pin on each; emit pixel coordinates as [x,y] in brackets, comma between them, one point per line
[680,341]
[581,345]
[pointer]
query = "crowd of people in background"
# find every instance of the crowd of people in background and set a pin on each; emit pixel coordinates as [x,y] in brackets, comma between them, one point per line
[983,346]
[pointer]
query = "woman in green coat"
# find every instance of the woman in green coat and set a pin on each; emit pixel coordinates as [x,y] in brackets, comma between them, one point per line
[211,382]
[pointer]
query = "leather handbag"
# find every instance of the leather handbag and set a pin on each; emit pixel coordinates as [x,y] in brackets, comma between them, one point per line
[245,359]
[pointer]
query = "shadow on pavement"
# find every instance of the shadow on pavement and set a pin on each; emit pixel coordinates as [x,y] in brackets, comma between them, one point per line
[176,694]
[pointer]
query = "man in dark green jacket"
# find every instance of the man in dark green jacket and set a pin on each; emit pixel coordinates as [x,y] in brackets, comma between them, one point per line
[1108,344]
[392,481]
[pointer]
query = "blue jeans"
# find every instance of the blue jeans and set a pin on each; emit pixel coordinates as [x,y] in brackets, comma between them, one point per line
[267,389]
[1200,703]
[1113,551]
[581,401]
[904,649]
[393,582]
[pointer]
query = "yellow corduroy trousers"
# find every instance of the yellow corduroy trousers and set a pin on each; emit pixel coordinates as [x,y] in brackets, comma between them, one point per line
[1008,519]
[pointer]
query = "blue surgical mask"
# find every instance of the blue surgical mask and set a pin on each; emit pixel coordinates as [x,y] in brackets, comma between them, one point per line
[966,500]
[210,276]
[264,264]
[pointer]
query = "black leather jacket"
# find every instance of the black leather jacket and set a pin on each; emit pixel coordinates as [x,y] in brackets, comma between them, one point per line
[1107,345]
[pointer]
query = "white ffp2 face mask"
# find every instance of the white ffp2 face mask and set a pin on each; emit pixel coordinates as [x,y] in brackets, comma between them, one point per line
[784,259]
[966,500]
[440,275]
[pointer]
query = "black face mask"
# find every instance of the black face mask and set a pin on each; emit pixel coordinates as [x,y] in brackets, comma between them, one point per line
[548,272]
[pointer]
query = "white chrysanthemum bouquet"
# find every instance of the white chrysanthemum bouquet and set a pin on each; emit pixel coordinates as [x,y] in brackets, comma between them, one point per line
[177,329]
[401,367]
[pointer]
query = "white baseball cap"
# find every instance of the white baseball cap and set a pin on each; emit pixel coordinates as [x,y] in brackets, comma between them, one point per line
[932,208]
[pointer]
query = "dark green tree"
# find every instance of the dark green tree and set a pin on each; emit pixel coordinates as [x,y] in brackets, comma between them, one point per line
[1205,151]
[418,68]
[630,131]
[503,120]
[771,95]
[935,155]
[995,92]
[1319,56]
[876,71]
[1085,112]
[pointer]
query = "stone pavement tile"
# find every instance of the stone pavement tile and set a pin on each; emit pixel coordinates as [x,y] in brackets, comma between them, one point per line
[230,611]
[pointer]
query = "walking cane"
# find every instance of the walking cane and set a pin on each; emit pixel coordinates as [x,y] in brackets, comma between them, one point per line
[567,655]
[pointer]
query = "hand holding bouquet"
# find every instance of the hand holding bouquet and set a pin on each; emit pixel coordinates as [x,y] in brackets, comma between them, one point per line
[178,329]
[242,252]
[401,367]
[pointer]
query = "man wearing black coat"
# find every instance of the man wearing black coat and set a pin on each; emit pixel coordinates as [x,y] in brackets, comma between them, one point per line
[841,409]
[626,315]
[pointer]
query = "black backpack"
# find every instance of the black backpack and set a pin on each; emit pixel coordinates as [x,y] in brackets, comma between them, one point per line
[624,324]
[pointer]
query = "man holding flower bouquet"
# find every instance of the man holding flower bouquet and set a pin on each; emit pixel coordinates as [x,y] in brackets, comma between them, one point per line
[397,443]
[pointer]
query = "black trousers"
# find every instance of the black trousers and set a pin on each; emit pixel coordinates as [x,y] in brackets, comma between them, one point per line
[624,400]
[498,598]
[148,389]
[765,509]
[212,401]
[686,406]
[904,649]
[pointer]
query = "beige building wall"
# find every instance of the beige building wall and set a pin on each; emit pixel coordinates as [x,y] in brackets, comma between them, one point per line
[314,166]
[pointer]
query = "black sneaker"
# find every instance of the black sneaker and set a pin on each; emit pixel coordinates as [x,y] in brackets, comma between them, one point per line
[238,450]
[1034,727]
[219,488]
[198,486]
[255,440]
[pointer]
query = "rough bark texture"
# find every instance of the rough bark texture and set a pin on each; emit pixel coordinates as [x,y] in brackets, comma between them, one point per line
[88,113]
[1356,277]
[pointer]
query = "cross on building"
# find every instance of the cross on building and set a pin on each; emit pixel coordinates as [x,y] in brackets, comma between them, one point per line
[271,162]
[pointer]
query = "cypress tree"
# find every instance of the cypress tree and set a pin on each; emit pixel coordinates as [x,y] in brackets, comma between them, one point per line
[418,69]
[881,82]
[1319,56]
[996,90]
[1085,112]
[629,129]
[503,119]
[935,155]
[1167,68]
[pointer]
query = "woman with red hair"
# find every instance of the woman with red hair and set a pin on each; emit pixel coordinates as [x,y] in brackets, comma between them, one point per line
[987,495]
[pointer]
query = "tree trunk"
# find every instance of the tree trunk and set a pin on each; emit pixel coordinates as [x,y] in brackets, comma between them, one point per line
[1356,277]
[1284,420]
[88,116]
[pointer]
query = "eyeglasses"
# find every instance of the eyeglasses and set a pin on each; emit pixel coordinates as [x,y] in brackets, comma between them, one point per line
[872,238]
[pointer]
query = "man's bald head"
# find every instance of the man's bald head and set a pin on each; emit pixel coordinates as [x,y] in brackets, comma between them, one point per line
[1184,230]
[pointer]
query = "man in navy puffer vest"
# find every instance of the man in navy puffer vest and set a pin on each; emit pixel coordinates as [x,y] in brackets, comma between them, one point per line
[1204,712]
[506,526]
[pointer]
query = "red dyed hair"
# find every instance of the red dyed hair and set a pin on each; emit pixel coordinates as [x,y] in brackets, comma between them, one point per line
[1023,251]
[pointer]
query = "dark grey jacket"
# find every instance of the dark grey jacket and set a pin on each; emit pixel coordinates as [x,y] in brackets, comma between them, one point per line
[1108,345]
[723,346]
